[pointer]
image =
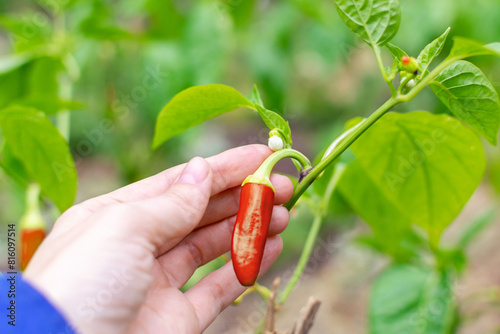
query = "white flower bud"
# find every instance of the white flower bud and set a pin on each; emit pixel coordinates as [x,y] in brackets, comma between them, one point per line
[275,143]
[410,84]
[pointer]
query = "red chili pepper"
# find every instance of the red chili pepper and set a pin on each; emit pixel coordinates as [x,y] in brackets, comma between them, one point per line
[32,226]
[254,216]
[250,230]
[31,238]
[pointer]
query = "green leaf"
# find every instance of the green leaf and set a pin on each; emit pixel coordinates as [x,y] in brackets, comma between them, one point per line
[476,226]
[206,43]
[35,84]
[368,201]
[37,143]
[12,85]
[43,86]
[466,91]
[429,165]
[194,106]
[494,173]
[380,211]
[56,7]
[165,20]
[375,21]
[27,34]
[274,121]
[100,23]
[431,51]
[14,61]
[464,47]
[410,247]
[13,166]
[254,96]
[242,12]
[396,51]
[411,300]
[452,259]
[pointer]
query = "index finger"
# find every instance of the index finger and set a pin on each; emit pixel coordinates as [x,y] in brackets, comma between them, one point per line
[229,169]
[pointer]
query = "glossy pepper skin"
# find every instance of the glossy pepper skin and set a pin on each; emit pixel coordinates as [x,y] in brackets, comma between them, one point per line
[250,231]
[31,238]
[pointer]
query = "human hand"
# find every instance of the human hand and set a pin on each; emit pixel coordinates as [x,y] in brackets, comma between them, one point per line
[115,263]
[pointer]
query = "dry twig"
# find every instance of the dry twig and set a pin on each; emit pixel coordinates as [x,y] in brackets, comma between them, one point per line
[306,317]
[271,308]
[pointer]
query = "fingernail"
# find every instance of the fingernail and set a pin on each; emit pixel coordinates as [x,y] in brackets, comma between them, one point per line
[195,172]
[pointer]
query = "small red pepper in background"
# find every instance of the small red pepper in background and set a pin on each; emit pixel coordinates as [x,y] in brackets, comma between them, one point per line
[405,60]
[32,226]
[250,230]
[31,238]
[408,64]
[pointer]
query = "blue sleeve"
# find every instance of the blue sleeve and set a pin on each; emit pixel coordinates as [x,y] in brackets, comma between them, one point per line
[25,310]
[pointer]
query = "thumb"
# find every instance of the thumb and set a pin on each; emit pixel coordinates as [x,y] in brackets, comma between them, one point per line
[168,218]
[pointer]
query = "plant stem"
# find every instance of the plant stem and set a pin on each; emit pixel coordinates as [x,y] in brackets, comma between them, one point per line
[304,257]
[319,216]
[364,125]
[337,151]
[63,118]
[263,291]
[376,51]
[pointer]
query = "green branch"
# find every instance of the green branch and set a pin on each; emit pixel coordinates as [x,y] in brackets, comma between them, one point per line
[363,126]
[320,214]
[304,257]
[339,149]
[63,118]
[388,80]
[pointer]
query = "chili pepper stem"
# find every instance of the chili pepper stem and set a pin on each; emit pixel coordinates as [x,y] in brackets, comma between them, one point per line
[263,173]
[263,291]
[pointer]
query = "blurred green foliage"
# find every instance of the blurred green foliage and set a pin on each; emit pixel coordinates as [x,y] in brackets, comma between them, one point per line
[308,65]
